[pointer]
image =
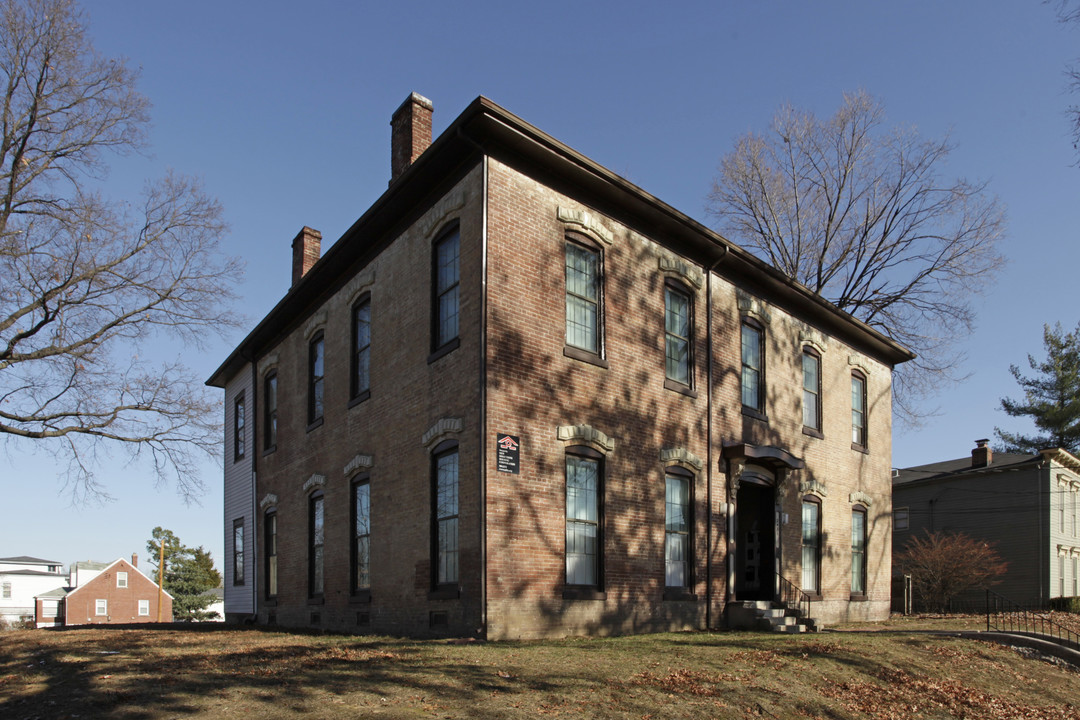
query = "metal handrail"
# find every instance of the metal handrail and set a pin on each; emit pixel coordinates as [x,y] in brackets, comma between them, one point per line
[792,595]
[1004,615]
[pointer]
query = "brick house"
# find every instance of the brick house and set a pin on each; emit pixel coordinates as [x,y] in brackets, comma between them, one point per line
[117,594]
[1026,505]
[521,397]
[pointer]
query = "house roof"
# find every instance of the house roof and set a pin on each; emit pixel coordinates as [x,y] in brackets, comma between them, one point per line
[962,467]
[27,560]
[91,565]
[57,593]
[32,573]
[105,566]
[485,128]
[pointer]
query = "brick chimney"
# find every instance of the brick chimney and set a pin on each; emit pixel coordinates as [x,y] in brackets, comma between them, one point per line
[135,560]
[982,455]
[410,133]
[306,247]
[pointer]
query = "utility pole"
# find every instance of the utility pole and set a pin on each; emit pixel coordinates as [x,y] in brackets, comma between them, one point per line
[160,576]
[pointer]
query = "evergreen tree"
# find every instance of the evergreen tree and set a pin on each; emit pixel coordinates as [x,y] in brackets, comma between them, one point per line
[189,575]
[1051,397]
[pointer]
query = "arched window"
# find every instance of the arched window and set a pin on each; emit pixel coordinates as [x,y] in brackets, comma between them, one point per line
[753,366]
[361,535]
[678,529]
[811,383]
[678,333]
[584,301]
[445,298]
[270,551]
[811,545]
[584,517]
[316,541]
[858,550]
[858,410]
[444,515]
[360,357]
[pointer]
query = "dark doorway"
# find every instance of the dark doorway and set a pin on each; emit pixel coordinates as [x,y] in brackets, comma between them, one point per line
[755,542]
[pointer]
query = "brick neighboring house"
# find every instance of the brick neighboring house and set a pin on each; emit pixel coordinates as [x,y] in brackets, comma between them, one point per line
[521,397]
[117,593]
[1028,506]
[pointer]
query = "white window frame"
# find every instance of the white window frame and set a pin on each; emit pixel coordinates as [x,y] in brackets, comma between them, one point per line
[144,608]
[101,607]
[121,579]
[50,608]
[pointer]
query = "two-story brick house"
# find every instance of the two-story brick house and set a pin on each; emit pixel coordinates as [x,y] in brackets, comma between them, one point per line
[522,397]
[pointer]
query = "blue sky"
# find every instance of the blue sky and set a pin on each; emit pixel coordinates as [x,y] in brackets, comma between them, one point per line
[283,110]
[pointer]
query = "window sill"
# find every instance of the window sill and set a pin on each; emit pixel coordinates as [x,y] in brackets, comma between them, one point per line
[754,413]
[860,448]
[317,600]
[445,592]
[858,598]
[235,584]
[579,592]
[238,458]
[317,423]
[813,432]
[678,387]
[446,349]
[270,450]
[585,356]
[270,602]
[360,597]
[677,594]
[359,398]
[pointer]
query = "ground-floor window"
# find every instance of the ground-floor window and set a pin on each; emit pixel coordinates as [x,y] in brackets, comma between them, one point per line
[583,492]
[858,551]
[811,545]
[677,530]
[101,607]
[50,608]
[144,608]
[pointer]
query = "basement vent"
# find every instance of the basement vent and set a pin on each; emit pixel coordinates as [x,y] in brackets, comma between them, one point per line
[363,619]
[316,618]
[439,618]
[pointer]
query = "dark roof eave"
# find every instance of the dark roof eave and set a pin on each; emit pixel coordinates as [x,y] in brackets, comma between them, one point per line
[486,127]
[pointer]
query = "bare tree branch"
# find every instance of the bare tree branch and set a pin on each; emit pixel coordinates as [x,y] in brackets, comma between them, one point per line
[88,286]
[859,213]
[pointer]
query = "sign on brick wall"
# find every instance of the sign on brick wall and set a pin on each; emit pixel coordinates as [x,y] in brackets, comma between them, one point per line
[507,453]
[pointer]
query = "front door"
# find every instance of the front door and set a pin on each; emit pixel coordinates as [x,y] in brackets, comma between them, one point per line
[755,543]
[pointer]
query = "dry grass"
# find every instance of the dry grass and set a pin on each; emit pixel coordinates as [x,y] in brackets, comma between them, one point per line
[219,672]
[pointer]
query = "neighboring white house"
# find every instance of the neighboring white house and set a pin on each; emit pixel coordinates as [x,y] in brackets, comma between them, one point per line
[22,578]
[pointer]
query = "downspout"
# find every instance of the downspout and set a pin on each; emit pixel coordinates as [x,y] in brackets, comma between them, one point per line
[709,435]
[482,518]
[254,544]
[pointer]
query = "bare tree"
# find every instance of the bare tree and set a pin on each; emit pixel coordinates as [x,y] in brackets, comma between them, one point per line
[859,213]
[945,565]
[87,285]
[1068,12]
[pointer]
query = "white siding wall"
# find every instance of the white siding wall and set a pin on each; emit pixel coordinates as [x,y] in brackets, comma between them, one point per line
[238,495]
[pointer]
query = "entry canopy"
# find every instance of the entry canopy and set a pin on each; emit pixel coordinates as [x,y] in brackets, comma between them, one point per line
[768,455]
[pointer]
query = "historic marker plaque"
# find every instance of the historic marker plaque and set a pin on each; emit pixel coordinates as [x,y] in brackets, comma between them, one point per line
[507,453]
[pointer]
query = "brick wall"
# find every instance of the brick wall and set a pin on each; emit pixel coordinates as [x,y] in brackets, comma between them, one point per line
[408,396]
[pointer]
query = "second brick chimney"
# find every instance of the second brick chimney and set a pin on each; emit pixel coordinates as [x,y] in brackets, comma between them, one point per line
[306,247]
[410,133]
[982,455]
[134,560]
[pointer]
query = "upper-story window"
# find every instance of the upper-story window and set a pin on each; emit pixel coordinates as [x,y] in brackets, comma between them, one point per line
[121,580]
[444,514]
[445,286]
[316,370]
[270,411]
[858,409]
[360,384]
[753,366]
[239,421]
[677,333]
[811,383]
[584,299]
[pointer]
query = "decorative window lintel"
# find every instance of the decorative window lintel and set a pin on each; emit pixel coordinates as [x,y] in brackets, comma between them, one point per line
[675,266]
[859,364]
[440,430]
[267,362]
[315,481]
[315,323]
[359,284]
[585,434]
[680,455]
[750,305]
[358,464]
[586,223]
[813,487]
[860,498]
[440,213]
[269,500]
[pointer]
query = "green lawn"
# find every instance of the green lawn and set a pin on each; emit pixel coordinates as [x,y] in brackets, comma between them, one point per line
[216,672]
